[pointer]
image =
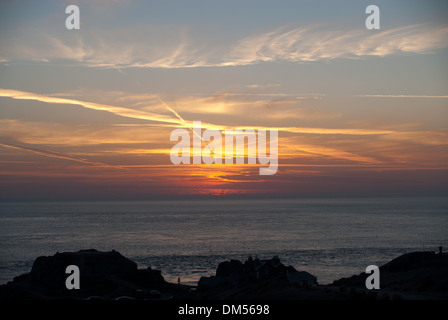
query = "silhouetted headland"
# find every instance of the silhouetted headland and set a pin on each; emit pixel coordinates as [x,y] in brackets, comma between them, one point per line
[110,275]
[103,275]
[415,275]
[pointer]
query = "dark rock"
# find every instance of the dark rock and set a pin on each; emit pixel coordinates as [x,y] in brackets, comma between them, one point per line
[256,273]
[50,271]
[411,274]
[106,275]
[415,260]
[226,268]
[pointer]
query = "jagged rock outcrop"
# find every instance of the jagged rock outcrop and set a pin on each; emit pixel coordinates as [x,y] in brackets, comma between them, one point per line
[108,275]
[425,271]
[226,268]
[102,274]
[50,271]
[270,271]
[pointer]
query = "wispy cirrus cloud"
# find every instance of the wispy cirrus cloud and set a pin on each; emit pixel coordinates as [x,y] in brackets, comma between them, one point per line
[315,43]
[171,48]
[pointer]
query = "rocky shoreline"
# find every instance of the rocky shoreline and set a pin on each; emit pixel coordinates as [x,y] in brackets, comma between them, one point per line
[111,276]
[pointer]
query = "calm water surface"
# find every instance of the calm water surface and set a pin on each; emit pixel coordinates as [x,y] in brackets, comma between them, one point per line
[331,238]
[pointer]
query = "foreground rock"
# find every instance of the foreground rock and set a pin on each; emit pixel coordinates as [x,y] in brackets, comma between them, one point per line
[255,279]
[415,275]
[109,275]
[412,276]
[103,275]
[256,270]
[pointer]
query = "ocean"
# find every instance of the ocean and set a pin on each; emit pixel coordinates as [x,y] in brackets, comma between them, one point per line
[330,238]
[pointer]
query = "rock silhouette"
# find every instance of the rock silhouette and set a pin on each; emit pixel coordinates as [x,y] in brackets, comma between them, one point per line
[418,272]
[226,268]
[257,271]
[110,275]
[102,274]
[50,271]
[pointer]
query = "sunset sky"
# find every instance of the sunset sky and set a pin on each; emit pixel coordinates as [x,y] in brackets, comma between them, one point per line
[88,113]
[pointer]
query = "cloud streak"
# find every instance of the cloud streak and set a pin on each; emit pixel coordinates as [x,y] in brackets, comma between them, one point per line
[176,50]
[52,154]
[178,121]
[305,44]
[401,96]
[119,111]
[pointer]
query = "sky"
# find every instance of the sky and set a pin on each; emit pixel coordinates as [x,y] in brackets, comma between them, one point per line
[87,113]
